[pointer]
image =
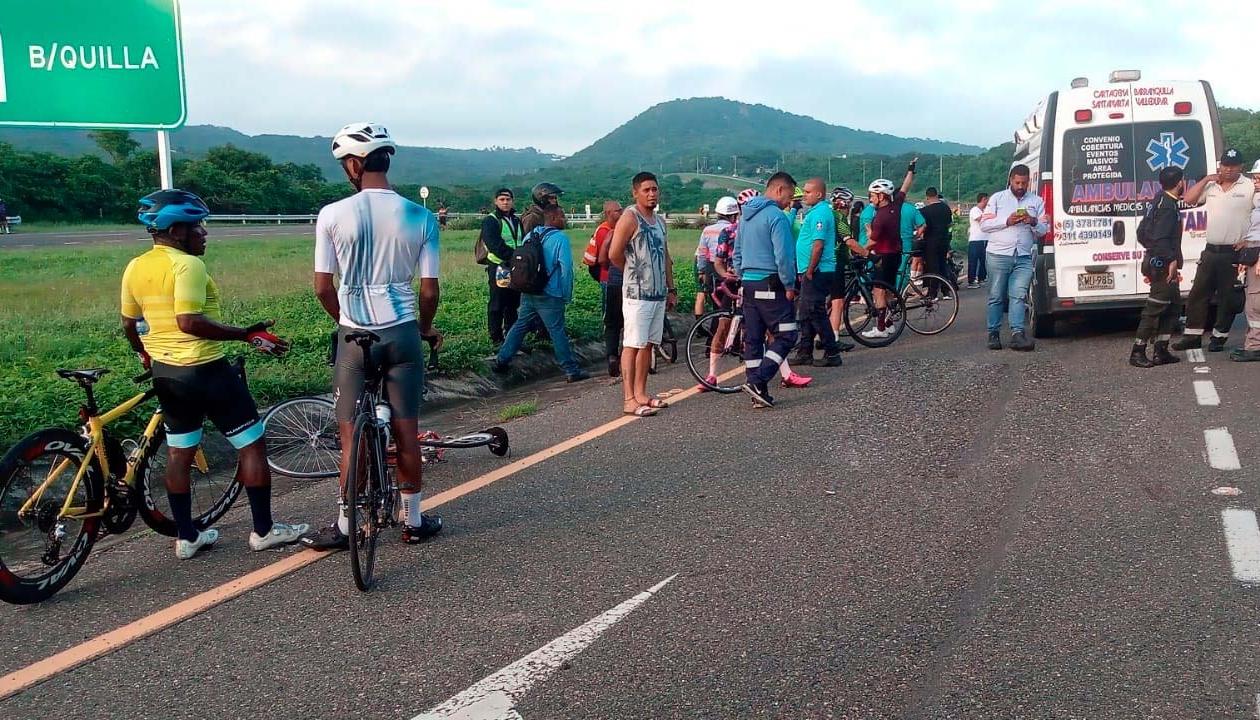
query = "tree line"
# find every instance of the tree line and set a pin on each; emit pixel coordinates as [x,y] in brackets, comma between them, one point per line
[46,187]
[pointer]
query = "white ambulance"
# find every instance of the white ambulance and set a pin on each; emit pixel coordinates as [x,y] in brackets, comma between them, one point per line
[1095,155]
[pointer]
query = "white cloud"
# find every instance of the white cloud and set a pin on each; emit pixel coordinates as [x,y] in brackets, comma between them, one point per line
[561,73]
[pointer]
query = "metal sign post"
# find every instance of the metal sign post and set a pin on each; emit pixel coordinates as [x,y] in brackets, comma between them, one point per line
[165,173]
[424,195]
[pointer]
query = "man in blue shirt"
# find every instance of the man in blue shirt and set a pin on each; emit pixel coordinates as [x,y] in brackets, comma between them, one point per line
[547,306]
[765,260]
[816,270]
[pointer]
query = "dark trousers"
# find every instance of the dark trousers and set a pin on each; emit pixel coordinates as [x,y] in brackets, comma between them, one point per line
[811,313]
[614,322]
[1213,279]
[936,262]
[975,262]
[766,310]
[1163,305]
[502,308]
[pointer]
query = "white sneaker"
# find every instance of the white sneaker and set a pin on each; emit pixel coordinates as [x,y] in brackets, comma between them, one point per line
[281,534]
[185,549]
[875,334]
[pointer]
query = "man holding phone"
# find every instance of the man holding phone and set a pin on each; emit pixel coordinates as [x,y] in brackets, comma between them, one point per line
[1014,220]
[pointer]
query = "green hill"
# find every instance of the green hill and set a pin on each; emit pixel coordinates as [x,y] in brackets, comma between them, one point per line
[413,165]
[675,134]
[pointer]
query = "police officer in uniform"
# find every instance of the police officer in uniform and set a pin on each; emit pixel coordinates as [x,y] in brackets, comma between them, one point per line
[1228,200]
[1160,234]
[501,233]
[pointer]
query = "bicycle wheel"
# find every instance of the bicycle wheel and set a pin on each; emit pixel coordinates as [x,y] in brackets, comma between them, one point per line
[40,548]
[470,440]
[212,495]
[363,501]
[302,438]
[927,315]
[716,343]
[859,315]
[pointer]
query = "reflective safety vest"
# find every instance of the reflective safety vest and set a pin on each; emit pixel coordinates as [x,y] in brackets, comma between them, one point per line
[510,233]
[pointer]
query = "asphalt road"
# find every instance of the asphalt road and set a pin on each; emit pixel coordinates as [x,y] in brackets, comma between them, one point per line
[934,530]
[29,240]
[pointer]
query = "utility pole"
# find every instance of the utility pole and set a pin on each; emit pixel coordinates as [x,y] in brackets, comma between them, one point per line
[734,166]
[863,172]
[941,182]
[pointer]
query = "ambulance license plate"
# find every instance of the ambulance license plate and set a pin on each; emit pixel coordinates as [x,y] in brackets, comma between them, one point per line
[1096,281]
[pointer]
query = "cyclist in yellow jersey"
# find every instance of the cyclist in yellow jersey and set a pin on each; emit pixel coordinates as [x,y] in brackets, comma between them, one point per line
[168,287]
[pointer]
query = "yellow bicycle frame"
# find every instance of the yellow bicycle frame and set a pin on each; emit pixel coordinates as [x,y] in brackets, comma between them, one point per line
[96,448]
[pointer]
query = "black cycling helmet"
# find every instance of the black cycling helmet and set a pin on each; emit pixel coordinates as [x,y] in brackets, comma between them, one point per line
[545,190]
[164,208]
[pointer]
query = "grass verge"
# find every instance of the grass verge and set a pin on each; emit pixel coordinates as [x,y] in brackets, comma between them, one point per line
[59,308]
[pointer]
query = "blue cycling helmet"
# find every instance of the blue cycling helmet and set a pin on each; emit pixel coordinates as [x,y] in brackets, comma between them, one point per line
[162,209]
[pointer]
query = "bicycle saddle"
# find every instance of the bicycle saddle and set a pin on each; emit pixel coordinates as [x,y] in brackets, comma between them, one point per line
[88,376]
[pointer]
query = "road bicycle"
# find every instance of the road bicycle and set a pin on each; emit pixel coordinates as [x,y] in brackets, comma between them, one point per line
[61,489]
[859,305]
[370,490]
[303,442]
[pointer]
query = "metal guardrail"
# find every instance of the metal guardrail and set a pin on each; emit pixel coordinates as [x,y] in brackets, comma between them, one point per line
[14,219]
[276,219]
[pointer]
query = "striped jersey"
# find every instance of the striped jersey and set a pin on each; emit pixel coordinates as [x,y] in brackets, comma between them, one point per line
[377,242]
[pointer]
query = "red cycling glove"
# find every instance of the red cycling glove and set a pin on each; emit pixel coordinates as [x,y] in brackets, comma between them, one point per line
[264,341]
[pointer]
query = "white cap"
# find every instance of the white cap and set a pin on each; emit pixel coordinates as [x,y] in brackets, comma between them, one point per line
[726,205]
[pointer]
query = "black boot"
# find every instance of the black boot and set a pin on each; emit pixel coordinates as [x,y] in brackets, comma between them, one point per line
[1137,357]
[1161,356]
[1188,342]
[1216,344]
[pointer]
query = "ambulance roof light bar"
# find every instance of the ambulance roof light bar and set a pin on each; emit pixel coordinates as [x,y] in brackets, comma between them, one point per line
[1080,82]
[1119,76]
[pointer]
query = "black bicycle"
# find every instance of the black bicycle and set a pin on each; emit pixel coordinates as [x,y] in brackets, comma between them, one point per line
[715,347]
[860,310]
[370,493]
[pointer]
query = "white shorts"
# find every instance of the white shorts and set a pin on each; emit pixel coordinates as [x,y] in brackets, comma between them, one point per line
[644,322]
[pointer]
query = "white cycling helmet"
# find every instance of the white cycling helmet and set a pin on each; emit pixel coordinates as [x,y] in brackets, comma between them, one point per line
[360,140]
[726,205]
[882,186]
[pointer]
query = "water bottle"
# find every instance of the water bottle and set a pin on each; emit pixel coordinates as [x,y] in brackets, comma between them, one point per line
[501,276]
[142,327]
[382,414]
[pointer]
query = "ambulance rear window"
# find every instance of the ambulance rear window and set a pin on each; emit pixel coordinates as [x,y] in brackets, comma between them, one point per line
[1114,170]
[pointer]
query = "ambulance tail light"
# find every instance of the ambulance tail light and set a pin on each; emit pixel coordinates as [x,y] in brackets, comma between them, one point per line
[1084,116]
[1046,191]
[1182,108]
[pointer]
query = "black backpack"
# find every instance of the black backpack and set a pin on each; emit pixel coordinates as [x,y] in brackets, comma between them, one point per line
[527,268]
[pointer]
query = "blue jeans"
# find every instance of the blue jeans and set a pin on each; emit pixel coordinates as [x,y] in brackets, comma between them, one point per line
[975,261]
[550,311]
[1010,276]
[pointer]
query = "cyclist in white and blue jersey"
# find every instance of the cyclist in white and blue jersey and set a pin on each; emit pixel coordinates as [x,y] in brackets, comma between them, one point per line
[378,242]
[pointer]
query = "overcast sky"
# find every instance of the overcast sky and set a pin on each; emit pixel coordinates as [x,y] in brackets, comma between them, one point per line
[559,75]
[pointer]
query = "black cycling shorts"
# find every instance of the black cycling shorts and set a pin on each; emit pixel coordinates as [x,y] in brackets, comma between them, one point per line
[887,268]
[706,276]
[400,357]
[215,390]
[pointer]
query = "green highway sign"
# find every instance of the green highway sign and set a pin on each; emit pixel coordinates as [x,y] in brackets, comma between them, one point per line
[92,63]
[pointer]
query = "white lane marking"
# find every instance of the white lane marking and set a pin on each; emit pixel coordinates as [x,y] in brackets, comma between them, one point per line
[1220,449]
[1258,706]
[1242,535]
[72,243]
[1195,355]
[494,697]
[1205,392]
[1203,369]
